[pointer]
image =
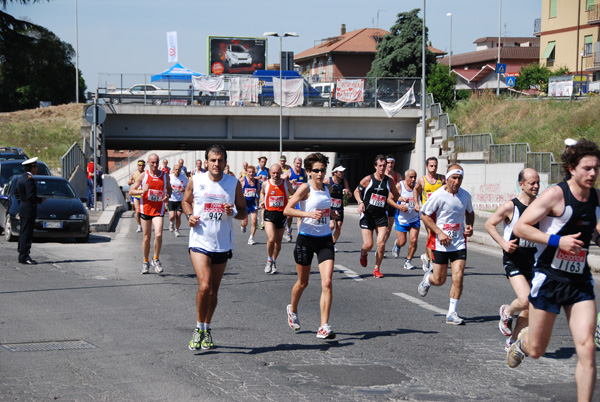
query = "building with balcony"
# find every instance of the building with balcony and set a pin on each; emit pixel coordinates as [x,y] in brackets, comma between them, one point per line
[569,36]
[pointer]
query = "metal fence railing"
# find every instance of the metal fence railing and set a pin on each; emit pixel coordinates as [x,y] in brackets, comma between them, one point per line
[473,142]
[436,110]
[556,172]
[540,161]
[451,131]
[71,159]
[509,153]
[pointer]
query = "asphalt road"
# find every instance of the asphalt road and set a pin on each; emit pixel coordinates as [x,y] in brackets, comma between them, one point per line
[85,325]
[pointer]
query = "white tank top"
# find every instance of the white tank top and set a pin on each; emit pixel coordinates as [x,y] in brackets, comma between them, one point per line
[214,232]
[178,184]
[317,200]
[411,215]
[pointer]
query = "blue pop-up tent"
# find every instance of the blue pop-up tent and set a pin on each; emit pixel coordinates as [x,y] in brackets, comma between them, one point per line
[177,73]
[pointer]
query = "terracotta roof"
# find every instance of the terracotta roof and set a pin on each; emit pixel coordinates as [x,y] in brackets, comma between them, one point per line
[435,51]
[510,40]
[489,55]
[476,74]
[360,41]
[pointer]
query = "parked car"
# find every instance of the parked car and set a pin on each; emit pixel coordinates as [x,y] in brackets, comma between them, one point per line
[236,55]
[61,215]
[10,168]
[137,93]
[12,153]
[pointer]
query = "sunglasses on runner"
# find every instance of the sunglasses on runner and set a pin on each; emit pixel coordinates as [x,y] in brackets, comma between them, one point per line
[319,170]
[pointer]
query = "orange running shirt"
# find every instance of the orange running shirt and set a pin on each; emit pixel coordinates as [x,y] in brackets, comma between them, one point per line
[276,197]
[151,203]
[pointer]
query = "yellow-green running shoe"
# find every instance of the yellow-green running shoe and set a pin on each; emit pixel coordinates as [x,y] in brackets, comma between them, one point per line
[207,342]
[196,341]
[597,333]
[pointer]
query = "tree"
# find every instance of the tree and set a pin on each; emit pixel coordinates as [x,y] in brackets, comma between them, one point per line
[441,84]
[533,76]
[400,52]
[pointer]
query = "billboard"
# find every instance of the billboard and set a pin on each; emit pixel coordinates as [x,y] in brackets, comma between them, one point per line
[236,55]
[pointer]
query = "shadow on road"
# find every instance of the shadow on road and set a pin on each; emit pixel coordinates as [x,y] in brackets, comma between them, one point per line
[561,354]
[276,348]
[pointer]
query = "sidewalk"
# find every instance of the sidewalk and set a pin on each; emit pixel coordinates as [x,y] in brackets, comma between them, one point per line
[102,221]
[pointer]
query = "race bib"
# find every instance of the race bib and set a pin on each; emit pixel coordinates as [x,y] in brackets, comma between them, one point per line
[377,200]
[428,195]
[324,219]
[451,230]
[410,204]
[250,192]
[276,201]
[177,189]
[155,195]
[526,243]
[213,211]
[566,262]
[335,203]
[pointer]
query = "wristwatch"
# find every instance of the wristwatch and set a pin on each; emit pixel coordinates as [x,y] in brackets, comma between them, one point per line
[188,216]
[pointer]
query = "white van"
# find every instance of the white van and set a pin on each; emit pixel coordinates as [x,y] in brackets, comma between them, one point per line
[327,91]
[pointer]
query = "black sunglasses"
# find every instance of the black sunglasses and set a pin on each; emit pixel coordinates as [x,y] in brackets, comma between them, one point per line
[319,170]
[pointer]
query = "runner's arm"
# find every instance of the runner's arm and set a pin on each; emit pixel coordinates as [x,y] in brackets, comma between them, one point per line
[503,213]
[133,190]
[240,203]
[187,204]
[301,194]
[417,194]
[358,194]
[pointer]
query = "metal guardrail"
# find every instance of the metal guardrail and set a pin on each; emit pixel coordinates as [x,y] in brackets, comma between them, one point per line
[473,142]
[540,161]
[71,159]
[509,153]
[451,131]
[443,121]
[556,172]
[436,110]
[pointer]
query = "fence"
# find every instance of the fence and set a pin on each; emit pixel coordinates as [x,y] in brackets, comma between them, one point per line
[509,153]
[540,161]
[473,142]
[71,159]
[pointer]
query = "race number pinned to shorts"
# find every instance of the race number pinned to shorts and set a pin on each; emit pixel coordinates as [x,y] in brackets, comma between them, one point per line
[451,230]
[377,200]
[250,192]
[336,203]
[569,263]
[155,195]
[276,201]
[213,211]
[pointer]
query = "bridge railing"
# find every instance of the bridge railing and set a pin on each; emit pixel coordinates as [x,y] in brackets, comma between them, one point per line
[114,88]
[71,159]
[473,142]
[509,153]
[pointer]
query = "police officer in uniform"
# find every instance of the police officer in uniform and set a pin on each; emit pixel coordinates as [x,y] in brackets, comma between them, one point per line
[27,195]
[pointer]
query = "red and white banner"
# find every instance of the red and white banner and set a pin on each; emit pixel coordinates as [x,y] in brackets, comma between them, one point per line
[172,46]
[350,90]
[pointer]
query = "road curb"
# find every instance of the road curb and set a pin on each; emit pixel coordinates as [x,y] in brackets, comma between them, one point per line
[107,218]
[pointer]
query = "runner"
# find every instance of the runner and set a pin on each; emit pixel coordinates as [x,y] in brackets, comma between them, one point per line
[296,176]
[273,199]
[314,237]
[567,215]
[208,204]
[251,189]
[373,194]
[282,163]
[518,254]
[154,188]
[199,168]
[339,191]
[135,199]
[397,178]
[179,182]
[165,166]
[244,171]
[449,216]
[426,186]
[262,175]
[407,219]
[183,168]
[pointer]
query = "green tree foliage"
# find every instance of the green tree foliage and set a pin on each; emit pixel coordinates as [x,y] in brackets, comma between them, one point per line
[536,76]
[441,84]
[400,52]
[35,65]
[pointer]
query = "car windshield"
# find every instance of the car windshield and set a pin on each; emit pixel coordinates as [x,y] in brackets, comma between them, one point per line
[12,169]
[54,189]
[238,49]
[12,157]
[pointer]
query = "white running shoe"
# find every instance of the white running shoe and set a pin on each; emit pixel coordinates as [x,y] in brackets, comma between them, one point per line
[251,241]
[408,265]
[139,229]
[177,234]
[508,344]
[424,285]
[273,267]
[158,268]
[396,251]
[288,235]
[171,227]
[293,320]
[243,229]
[145,268]
[335,249]
[325,332]
[454,319]
[505,323]
[426,262]
[515,354]
[268,267]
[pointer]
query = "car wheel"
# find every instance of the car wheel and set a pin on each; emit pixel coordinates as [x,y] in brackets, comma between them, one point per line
[8,230]
[157,102]
[115,101]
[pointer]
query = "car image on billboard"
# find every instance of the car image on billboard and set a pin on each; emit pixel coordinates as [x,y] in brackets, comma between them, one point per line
[228,55]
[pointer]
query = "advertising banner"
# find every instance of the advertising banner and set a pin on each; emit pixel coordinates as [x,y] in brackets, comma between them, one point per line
[236,55]
[350,90]
[172,46]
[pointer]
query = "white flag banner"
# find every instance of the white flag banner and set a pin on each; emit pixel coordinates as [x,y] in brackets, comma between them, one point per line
[350,90]
[208,84]
[293,92]
[173,52]
[392,108]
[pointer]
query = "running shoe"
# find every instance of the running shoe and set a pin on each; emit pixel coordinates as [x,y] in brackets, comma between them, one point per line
[268,267]
[508,344]
[158,268]
[251,241]
[288,235]
[515,354]
[408,265]
[377,273]
[262,226]
[335,249]
[207,342]
[396,251]
[139,229]
[505,323]
[243,229]
[424,285]
[273,268]
[426,263]
[363,258]
[197,337]
[597,333]
[325,332]
[145,268]
[293,320]
[454,319]
[177,234]
[171,227]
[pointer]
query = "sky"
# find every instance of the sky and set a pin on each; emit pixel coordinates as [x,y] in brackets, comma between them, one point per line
[129,36]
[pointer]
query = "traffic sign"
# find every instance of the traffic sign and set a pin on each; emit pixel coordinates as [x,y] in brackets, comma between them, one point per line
[510,81]
[100,114]
[500,68]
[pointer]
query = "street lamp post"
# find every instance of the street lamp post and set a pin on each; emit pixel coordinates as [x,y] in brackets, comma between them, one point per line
[450,57]
[275,34]
[76,56]
[424,94]
[499,46]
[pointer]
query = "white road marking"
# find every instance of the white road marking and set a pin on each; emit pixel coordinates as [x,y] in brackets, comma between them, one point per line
[421,303]
[349,273]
